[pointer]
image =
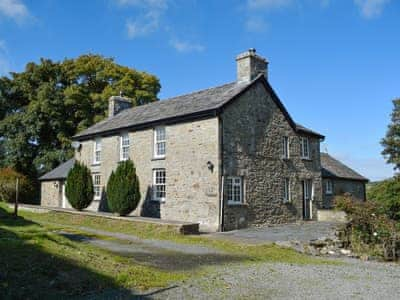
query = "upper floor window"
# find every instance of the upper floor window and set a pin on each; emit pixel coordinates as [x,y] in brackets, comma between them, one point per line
[328,187]
[124,146]
[159,142]
[97,186]
[286,190]
[234,190]
[159,179]
[305,147]
[97,151]
[285,147]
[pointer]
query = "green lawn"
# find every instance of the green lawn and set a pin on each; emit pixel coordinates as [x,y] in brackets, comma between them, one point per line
[36,261]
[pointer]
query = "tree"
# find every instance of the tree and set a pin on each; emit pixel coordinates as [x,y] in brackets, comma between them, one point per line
[391,142]
[123,192]
[79,186]
[42,107]
[8,178]
[387,194]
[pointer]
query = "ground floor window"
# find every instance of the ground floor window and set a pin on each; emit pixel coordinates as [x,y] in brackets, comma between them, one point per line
[159,179]
[234,190]
[286,190]
[328,187]
[97,186]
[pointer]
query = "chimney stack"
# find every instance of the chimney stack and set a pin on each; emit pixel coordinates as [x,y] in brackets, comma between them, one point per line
[250,65]
[116,104]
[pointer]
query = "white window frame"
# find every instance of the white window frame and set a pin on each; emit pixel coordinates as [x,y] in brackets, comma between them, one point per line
[158,141]
[124,137]
[285,147]
[156,184]
[235,182]
[97,186]
[328,187]
[305,144]
[287,198]
[97,150]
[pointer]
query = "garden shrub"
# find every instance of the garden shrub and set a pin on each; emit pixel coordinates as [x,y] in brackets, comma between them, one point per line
[123,192]
[79,186]
[8,178]
[370,230]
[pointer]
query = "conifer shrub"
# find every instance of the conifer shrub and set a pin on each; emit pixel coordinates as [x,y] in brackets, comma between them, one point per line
[123,192]
[79,186]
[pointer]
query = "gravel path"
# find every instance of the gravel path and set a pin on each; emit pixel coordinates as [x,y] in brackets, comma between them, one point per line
[353,280]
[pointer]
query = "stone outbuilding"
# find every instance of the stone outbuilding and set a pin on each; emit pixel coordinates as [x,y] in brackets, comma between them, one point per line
[339,179]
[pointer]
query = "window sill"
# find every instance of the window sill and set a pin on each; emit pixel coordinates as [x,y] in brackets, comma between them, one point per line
[95,164]
[237,204]
[306,158]
[158,158]
[158,201]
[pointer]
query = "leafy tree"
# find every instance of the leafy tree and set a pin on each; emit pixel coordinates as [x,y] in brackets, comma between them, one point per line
[391,142]
[79,186]
[8,178]
[123,192]
[42,107]
[387,194]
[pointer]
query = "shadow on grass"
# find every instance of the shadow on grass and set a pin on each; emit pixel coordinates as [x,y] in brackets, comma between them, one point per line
[28,271]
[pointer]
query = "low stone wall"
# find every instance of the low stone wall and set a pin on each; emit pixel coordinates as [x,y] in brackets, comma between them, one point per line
[180,227]
[330,215]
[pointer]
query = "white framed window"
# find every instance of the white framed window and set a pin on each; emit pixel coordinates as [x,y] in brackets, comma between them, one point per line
[124,146]
[97,186]
[328,187]
[97,151]
[159,142]
[234,190]
[305,147]
[286,191]
[285,147]
[159,179]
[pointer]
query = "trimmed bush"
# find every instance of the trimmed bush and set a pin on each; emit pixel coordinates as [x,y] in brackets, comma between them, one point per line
[79,186]
[8,178]
[123,193]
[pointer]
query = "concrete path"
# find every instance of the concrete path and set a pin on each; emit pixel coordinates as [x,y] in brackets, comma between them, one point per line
[302,232]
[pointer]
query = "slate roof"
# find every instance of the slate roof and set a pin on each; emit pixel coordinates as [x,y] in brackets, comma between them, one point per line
[60,172]
[201,103]
[332,168]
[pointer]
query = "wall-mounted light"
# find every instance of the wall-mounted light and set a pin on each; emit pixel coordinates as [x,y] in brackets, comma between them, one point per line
[210,166]
[76,145]
[55,184]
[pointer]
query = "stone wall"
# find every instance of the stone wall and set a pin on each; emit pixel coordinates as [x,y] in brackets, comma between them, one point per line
[341,186]
[192,189]
[51,193]
[253,127]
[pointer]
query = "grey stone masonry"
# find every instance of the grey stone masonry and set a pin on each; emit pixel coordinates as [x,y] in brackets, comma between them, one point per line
[249,65]
[342,186]
[116,104]
[253,128]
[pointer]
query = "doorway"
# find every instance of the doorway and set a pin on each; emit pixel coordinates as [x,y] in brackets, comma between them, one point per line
[307,199]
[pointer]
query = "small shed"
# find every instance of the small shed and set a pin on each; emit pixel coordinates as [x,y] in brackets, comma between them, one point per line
[53,186]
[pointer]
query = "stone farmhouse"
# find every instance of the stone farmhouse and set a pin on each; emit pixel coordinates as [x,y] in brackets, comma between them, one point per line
[226,157]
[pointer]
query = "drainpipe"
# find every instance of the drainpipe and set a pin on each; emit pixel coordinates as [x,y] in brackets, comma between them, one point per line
[222,181]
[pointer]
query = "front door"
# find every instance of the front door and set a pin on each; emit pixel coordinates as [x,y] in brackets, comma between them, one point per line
[63,198]
[307,199]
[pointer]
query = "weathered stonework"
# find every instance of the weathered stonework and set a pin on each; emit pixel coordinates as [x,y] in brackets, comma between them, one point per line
[252,129]
[51,193]
[192,189]
[341,186]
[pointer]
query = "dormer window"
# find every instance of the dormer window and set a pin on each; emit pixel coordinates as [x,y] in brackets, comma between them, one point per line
[305,147]
[97,151]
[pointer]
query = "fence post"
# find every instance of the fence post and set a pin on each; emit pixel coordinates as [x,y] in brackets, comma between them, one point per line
[16,198]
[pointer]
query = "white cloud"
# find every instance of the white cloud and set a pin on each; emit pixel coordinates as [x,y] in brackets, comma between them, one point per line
[183,46]
[371,8]
[14,9]
[256,24]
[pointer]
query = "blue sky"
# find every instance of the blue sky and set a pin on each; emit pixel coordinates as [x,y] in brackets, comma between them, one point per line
[334,63]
